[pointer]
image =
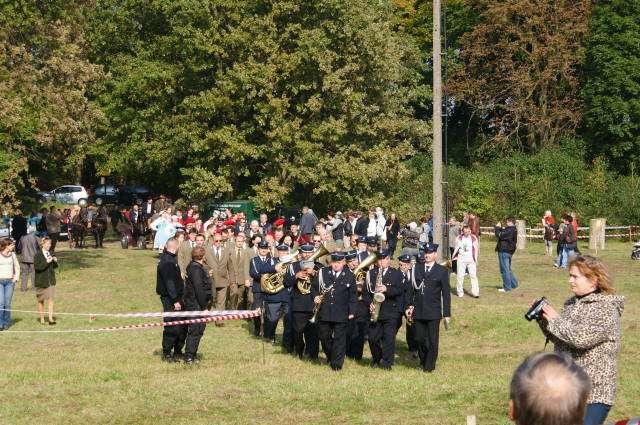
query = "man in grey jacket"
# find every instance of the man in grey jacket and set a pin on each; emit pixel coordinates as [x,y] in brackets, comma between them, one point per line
[307,221]
[29,245]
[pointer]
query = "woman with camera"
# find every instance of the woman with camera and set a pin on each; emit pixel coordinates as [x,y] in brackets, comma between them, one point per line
[588,329]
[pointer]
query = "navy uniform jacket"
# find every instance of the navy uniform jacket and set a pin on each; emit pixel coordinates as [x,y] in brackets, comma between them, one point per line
[362,306]
[362,256]
[433,300]
[284,295]
[393,297]
[340,301]
[407,287]
[299,302]
[257,268]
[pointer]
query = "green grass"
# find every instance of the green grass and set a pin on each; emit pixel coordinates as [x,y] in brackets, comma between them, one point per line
[118,378]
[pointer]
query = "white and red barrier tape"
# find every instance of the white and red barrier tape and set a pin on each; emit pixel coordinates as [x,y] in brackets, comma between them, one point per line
[245,314]
[632,421]
[151,314]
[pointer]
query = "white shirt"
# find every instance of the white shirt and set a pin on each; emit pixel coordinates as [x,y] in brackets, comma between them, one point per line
[465,248]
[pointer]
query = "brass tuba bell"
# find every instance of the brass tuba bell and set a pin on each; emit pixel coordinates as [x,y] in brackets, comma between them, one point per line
[272,283]
[304,285]
[359,271]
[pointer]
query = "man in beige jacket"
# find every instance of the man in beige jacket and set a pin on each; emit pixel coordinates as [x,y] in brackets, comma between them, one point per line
[239,295]
[217,258]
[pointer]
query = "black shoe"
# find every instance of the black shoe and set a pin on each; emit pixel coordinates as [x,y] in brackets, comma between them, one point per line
[167,357]
[336,368]
[178,356]
[52,322]
[190,360]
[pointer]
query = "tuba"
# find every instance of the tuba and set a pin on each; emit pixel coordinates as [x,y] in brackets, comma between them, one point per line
[304,285]
[272,283]
[360,271]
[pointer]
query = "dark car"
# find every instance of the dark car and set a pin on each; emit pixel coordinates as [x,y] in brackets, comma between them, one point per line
[107,192]
[130,195]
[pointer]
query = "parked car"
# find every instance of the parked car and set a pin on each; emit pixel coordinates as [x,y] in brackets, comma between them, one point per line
[69,194]
[107,192]
[129,195]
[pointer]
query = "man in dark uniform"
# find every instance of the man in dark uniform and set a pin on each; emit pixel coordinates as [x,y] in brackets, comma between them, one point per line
[382,332]
[299,278]
[334,290]
[430,302]
[278,305]
[197,295]
[372,244]
[361,248]
[260,264]
[357,328]
[170,287]
[406,268]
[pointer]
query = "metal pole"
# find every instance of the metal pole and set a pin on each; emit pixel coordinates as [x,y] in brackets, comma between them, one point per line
[437,129]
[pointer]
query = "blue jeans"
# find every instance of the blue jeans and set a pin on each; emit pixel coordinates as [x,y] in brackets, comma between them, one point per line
[509,281]
[596,413]
[6,293]
[567,252]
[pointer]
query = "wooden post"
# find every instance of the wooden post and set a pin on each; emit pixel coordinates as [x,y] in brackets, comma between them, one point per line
[522,235]
[597,234]
[438,212]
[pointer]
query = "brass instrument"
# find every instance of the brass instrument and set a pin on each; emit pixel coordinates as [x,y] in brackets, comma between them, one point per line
[447,264]
[360,271]
[304,285]
[378,298]
[272,283]
[316,307]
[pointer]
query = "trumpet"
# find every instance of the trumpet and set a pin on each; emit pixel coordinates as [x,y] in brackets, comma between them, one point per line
[316,307]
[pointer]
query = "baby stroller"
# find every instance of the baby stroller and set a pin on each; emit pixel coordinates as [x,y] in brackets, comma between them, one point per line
[635,254]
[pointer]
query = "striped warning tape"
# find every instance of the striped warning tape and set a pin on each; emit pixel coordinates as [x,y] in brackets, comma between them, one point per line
[150,314]
[238,316]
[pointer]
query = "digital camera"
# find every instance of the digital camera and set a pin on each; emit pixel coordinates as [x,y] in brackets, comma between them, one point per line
[535,312]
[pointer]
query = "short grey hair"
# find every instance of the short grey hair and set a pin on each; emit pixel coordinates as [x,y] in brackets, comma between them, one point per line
[549,389]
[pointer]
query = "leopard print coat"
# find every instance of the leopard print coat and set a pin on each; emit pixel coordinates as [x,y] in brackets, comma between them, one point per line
[588,329]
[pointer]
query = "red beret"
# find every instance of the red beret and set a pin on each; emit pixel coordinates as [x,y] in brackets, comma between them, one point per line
[229,222]
[279,222]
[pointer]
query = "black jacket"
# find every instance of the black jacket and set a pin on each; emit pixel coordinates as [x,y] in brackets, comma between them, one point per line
[506,237]
[394,295]
[432,301]
[360,228]
[299,302]
[197,288]
[394,230]
[340,301]
[169,282]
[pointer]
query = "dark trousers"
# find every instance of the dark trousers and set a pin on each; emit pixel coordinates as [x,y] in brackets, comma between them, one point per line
[194,334]
[427,336]
[454,263]
[356,333]
[333,337]
[173,337]
[382,341]
[258,301]
[410,334]
[392,244]
[305,334]
[273,312]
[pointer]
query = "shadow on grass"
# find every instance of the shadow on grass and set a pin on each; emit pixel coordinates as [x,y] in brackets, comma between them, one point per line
[79,258]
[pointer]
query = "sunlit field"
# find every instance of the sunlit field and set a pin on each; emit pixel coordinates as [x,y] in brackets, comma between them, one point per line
[118,377]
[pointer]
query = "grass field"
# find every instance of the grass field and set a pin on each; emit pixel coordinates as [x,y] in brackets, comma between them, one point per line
[118,378]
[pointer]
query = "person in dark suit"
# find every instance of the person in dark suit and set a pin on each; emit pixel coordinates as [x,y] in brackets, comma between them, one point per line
[358,327]
[334,291]
[197,295]
[406,268]
[299,278]
[260,264]
[361,248]
[392,228]
[362,223]
[430,302]
[170,288]
[385,280]
[18,226]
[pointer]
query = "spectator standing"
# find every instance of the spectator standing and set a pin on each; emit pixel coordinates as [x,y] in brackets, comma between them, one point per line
[9,273]
[361,224]
[410,238]
[588,329]
[466,254]
[505,247]
[548,223]
[569,241]
[29,247]
[392,230]
[307,221]
[45,265]
[18,226]
[170,288]
[474,224]
[197,295]
[454,232]
[53,219]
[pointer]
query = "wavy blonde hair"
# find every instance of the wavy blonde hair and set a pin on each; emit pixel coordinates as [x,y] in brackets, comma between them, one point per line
[594,269]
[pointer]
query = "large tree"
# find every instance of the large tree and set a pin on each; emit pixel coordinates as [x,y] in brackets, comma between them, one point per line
[46,117]
[611,89]
[521,71]
[305,101]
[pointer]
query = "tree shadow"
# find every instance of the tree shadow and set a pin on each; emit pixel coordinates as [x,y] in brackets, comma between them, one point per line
[78,258]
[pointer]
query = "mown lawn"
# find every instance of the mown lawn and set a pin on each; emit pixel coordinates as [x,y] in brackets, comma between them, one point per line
[118,378]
